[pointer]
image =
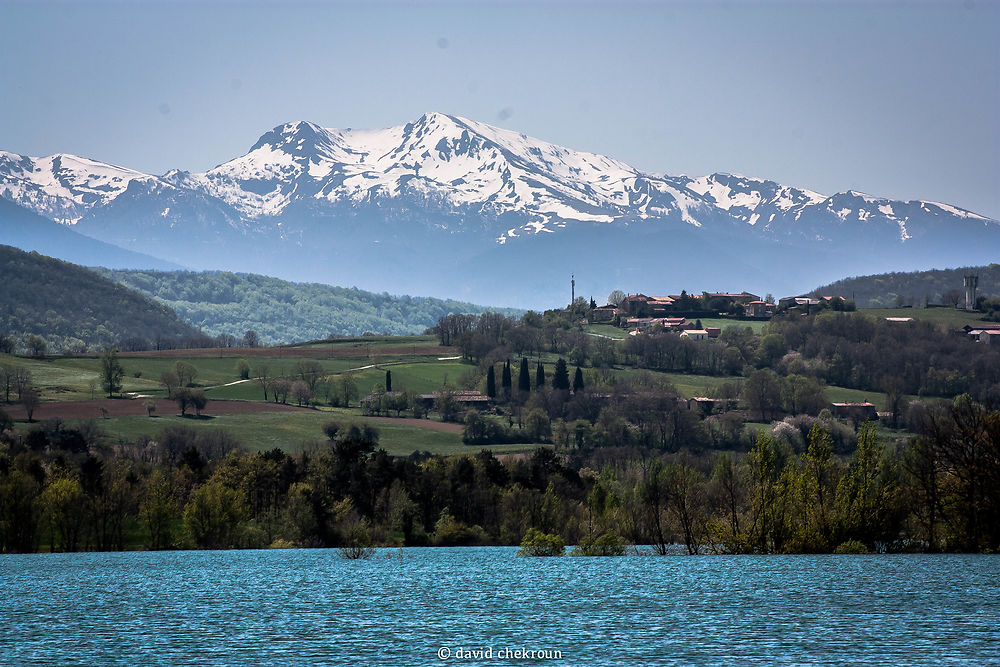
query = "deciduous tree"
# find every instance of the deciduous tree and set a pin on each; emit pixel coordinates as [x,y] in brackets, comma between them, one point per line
[185,372]
[111,372]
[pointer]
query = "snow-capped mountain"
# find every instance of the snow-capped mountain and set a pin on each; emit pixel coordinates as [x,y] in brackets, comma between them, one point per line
[445,187]
[62,187]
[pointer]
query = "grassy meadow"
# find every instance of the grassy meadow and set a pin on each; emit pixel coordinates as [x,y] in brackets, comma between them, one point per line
[949,318]
[417,363]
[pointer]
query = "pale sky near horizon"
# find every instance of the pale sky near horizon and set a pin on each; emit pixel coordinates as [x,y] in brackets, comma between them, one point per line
[895,99]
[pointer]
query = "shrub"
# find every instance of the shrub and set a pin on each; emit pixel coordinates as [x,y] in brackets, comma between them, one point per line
[358,542]
[449,532]
[608,544]
[537,543]
[851,547]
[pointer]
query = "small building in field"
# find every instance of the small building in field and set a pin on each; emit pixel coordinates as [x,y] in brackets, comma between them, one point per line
[464,397]
[858,411]
[695,334]
[986,336]
[714,332]
[639,322]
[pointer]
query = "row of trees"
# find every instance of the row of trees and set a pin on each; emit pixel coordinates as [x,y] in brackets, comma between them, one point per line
[560,380]
[935,491]
[35,345]
[17,386]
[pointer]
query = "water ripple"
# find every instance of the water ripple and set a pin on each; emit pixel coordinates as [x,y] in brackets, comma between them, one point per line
[310,606]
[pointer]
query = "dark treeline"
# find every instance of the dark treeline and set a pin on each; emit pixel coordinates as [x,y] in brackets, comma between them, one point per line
[938,490]
[910,357]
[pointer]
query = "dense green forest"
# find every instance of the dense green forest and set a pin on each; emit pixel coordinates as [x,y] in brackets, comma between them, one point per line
[50,305]
[915,288]
[285,312]
[936,491]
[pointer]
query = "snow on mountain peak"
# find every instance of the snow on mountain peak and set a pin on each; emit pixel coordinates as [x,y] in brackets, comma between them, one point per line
[456,171]
[438,157]
[63,184]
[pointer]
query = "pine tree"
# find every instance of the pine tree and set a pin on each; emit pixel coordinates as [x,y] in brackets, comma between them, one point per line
[505,380]
[560,378]
[540,376]
[388,380]
[578,381]
[524,379]
[491,382]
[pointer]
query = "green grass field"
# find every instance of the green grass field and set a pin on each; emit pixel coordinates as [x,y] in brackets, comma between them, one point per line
[756,325]
[422,371]
[292,432]
[946,317]
[606,330]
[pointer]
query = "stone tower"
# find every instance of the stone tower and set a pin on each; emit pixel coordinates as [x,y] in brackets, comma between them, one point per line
[971,283]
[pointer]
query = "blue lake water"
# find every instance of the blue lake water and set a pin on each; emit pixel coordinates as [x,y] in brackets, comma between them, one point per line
[311,606]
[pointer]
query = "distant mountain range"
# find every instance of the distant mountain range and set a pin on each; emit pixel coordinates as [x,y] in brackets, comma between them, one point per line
[453,207]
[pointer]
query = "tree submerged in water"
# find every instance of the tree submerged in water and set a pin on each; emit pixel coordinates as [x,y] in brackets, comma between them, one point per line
[359,543]
[537,543]
[608,544]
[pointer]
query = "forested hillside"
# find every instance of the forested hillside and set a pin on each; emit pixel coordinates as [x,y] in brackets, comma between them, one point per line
[284,312]
[69,307]
[916,288]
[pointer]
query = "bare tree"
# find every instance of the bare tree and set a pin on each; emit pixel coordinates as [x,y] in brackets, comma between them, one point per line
[261,375]
[616,297]
[953,297]
[30,398]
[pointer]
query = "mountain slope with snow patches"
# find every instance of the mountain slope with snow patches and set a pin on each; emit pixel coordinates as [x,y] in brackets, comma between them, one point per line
[445,184]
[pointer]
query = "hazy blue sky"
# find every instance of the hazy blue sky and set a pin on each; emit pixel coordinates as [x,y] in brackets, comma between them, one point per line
[895,99]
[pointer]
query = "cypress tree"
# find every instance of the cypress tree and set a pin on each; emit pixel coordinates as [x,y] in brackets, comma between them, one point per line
[578,380]
[560,378]
[524,379]
[491,382]
[388,380]
[505,380]
[539,376]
